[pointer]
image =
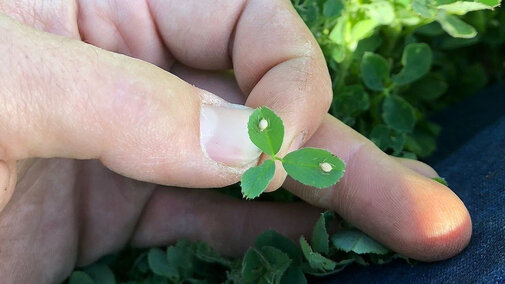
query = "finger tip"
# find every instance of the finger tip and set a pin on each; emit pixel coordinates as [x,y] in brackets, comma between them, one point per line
[440,230]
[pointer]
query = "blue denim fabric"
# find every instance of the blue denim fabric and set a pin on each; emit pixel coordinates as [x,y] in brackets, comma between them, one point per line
[476,172]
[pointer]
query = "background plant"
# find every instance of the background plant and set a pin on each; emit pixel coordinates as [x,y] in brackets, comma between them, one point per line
[378,54]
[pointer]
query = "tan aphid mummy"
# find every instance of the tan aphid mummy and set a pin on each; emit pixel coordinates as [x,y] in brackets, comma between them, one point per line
[325,167]
[263,124]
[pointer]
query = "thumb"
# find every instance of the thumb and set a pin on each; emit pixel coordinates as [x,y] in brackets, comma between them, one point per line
[65,98]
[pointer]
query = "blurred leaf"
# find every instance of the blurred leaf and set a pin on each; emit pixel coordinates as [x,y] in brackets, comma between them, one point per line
[353,240]
[363,29]
[158,263]
[374,71]
[429,88]
[440,180]
[455,27]
[381,11]
[463,7]
[79,277]
[293,275]
[316,260]
[276,240]
[398,113]
[100,273]
[333,8]
[416,60]
[386,138]
[265,265]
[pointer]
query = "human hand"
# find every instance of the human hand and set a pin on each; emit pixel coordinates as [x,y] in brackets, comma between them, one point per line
[73,100]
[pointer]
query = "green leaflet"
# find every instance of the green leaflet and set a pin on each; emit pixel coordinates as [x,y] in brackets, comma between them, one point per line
[398,113]
[428,88]
[158,263]
[79,277]
[320,238]
[293,275]
[265,265]
[454,26]
[276,240]
[316,261]
[374,71]
[256,179]
[441,180]
[353,240]
[416,62]
[333,8]
[305,165]
[269,140]
[386,138]
[463,7]
[100,273]
[381,11]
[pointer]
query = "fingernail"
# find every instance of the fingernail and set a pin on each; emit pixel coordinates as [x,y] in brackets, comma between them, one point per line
[223,134]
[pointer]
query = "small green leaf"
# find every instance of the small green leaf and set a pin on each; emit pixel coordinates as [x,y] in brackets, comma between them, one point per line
[269,139]
[79,277]
[416,60]
[207,254]
[463,7]
[398,113]
[356,241]
[352,100]
[180,260]
[333,8]
[314,167]
[424,8]
[293,275]
[381,11]
[340,31]
[363,29]
[158,263]
[256,179]
[273,239]
[316,261]
[429,88]
[386,138]
[320,237]
[454,26]
[374,71]
[265,265]
[100,273]
[441,180]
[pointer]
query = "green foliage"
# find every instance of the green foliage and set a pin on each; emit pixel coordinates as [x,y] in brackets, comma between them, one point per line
[310,166]
[272,259]
[403,54]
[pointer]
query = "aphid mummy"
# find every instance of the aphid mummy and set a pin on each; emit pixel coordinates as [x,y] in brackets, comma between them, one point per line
[263,124]
[325,167]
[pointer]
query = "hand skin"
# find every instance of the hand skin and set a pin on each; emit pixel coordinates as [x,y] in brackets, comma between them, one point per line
[110,128]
